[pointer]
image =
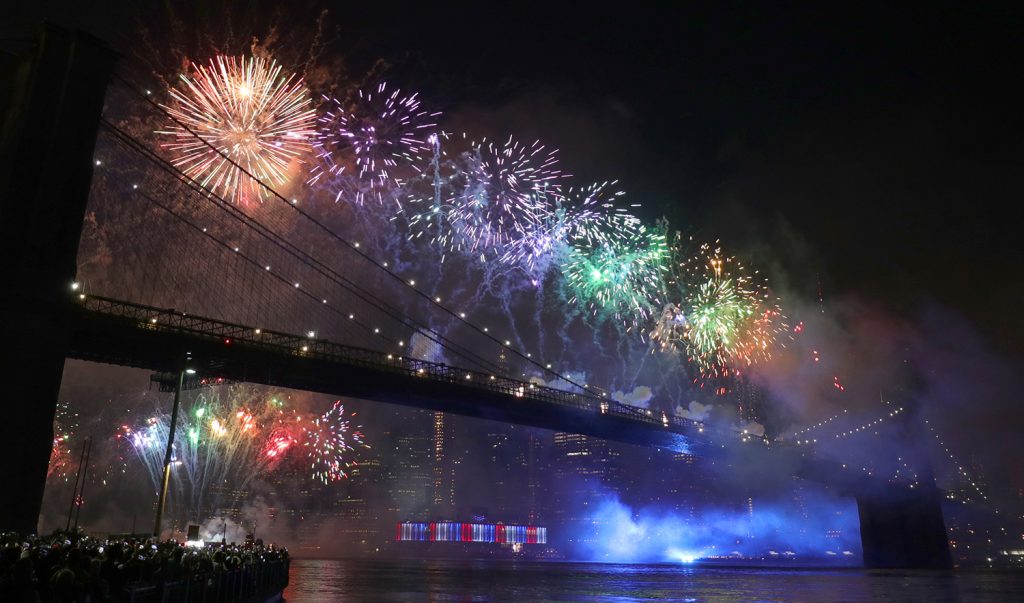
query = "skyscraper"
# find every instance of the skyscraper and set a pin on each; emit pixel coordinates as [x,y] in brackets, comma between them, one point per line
[585,470]
[443,466]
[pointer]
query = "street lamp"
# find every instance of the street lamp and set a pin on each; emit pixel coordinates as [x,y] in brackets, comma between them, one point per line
[161,503]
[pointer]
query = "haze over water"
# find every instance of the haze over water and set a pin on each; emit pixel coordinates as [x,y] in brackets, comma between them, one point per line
[315,581]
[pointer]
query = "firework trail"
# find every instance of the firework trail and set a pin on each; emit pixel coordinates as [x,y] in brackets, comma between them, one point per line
[381,129]
[327,440]
[65,424]
[250,111]
[218,441]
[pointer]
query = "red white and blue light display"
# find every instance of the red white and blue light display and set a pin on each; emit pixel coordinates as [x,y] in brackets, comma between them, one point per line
[450,531]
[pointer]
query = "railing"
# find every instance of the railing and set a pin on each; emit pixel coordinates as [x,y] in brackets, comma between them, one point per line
[169,320]
[255,582]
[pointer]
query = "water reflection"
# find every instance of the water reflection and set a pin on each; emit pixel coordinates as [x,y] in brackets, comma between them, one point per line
[472,581]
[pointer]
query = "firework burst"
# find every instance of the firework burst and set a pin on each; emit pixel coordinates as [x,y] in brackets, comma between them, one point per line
[381,129]
[327,440]
[725,317]
[284,435]
[579,214]
[218,439]
[250,112]
[617,267]
[495,194]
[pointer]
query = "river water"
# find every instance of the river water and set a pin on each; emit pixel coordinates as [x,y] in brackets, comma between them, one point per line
[436,580]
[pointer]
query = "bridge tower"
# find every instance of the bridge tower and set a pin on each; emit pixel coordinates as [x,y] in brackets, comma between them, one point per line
[905,527]
[51,97]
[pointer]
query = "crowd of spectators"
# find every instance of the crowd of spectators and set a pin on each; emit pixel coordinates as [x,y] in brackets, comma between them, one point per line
[68,566]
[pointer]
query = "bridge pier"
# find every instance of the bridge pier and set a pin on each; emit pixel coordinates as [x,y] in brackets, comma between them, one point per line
[51,99]
[904,528]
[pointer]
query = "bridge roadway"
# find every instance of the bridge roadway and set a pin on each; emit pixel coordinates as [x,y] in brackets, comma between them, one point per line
[129,334]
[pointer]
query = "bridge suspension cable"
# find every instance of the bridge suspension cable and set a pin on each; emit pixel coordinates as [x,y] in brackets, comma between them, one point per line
[382,267]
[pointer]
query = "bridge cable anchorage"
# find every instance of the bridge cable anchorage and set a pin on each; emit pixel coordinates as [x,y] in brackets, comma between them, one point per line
[367,297]
[381,267]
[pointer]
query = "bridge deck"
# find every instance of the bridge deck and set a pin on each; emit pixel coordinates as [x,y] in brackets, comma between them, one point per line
[129,334]
[117,332]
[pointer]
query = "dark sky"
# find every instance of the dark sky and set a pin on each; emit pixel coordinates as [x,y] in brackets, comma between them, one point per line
[886,141]
[877,146]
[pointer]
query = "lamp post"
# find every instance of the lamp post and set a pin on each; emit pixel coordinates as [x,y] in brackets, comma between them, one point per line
[162,501]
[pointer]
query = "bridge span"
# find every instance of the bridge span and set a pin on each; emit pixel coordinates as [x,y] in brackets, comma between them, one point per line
[129,334]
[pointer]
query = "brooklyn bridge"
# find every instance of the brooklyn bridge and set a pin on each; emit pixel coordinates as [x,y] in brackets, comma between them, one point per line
[211,291]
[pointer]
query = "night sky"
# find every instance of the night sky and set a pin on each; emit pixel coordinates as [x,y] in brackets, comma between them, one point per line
[874,149]
[881,145]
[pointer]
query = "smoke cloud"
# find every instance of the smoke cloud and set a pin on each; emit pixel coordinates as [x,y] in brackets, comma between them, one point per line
[816,528]
[640,396]
[696,411]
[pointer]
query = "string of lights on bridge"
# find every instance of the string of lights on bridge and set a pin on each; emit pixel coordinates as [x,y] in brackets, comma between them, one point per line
[842,434]
[915,480]
[962,471]
[869,424]
[956,463]
[819,424]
